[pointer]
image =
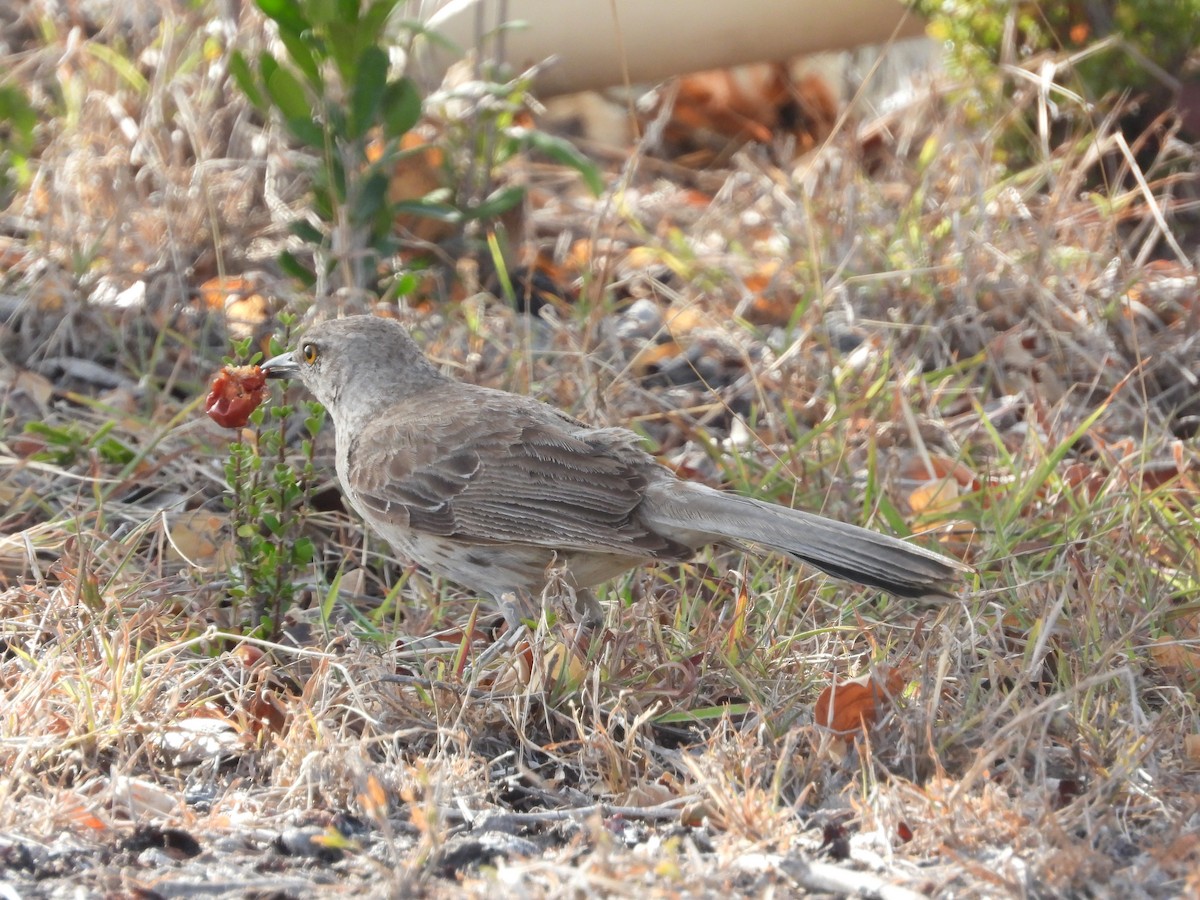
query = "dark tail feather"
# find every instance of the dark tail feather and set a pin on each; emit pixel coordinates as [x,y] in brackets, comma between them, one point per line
[695,514]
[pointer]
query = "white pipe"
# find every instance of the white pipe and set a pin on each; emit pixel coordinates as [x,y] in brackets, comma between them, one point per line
[600,43]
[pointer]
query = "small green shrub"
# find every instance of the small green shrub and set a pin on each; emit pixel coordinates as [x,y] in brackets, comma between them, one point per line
[339,93]
[1121,47]
[268,503]
[17,121]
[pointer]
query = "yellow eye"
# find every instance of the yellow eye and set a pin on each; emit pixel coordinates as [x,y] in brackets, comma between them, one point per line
[309,351]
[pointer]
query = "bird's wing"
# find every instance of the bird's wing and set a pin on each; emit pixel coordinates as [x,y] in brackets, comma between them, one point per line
[507,473]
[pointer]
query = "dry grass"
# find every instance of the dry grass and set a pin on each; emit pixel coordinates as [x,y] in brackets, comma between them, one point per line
[865,324]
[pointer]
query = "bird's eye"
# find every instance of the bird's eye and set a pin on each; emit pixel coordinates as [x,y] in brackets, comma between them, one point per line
[309,352]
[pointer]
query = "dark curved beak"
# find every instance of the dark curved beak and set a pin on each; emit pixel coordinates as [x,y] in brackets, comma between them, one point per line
[281,366]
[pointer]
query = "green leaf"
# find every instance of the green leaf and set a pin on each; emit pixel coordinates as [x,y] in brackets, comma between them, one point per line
[418,29]
[303,58]
[371,199]
[307,232]
[322,12]
[302,552]
[405,284]
[335,115]
[430,209]
[285,12]
[367,95]
[246,82]
[343,47]
[288,94]
[267,65]
[17,112]
[373,24]
[337,176]
[564,152]
[401,108]
[322,202]
[298,270]
[498,202]
[307,131]
[124,67]
[703,713]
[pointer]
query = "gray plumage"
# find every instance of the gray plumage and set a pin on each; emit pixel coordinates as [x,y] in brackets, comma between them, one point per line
[490,488]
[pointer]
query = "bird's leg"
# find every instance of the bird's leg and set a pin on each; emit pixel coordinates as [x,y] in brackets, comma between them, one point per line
[519,608]
[583,615]
[521,615]
[589,614]
[587,621]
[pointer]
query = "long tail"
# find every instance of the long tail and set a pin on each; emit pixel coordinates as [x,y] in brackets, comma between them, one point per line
[696,514]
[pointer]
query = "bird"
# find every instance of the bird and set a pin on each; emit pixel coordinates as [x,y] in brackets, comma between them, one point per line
[497,491]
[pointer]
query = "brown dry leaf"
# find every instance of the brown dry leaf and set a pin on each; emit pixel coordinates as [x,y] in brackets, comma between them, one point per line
[740,103]
[848,707]
[941,482]
[214,292]
[1167,288]
[267,711]
[700,813]
[653,356]
[515,673]
[243,314]
[561,666]
[199,739]
[13,254]
[649,793]
[139,799]
[1178,660]
[416,176]
[722,107]
[641,258]
[1087,479]
[774,301]
[579,257]
[372,799]
[685,321]
[78,812]
[32,386]
[1191,749]
[239,297]
[935,496]
[200,538]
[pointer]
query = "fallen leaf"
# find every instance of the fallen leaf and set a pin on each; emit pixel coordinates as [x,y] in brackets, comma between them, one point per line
[849,707]
[1178,660]
[1191,749]
[200,538]
[940,482]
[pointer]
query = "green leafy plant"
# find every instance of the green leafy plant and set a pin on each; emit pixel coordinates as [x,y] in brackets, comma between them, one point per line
[339,93]
[268,500]
[17,121]
[68,443]
[1117,50]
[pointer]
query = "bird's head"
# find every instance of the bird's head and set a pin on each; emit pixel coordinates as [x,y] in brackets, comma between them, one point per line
[359,363]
